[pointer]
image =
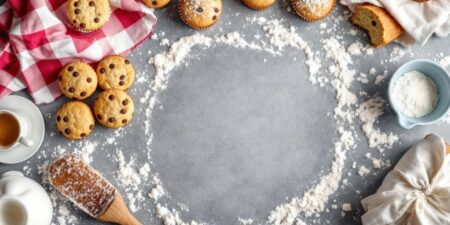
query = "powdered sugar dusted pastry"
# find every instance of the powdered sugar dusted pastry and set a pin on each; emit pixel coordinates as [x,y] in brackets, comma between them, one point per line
[312,10]
[200,14]
[377,21]
[258,4]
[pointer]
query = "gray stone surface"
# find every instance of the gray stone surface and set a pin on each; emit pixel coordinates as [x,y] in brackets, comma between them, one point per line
[235,135]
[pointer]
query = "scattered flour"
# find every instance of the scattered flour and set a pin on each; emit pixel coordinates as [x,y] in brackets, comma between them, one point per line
[369,112]
[245,221]
[141,185]
[346,207]
[363,171]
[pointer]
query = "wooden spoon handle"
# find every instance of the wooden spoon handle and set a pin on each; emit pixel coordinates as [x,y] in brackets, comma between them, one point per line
[119,213]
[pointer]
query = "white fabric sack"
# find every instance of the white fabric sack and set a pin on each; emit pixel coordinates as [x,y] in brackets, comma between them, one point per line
[419,20]
[416,191]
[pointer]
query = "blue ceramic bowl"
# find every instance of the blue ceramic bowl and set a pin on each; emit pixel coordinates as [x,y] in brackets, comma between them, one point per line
[442,79]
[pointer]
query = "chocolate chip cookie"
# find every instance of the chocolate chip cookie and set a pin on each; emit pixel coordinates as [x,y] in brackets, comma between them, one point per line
[156,3]
[115,72]
[77,80]
[113,108]
[88,15]
[74,120]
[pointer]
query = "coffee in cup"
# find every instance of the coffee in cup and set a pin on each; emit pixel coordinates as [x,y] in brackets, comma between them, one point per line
[11,130]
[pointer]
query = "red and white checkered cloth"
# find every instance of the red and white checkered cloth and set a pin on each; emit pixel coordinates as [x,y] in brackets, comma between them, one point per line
[36,41]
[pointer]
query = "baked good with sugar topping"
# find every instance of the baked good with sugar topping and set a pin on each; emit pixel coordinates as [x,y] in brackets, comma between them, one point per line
[312,10]
[200,14]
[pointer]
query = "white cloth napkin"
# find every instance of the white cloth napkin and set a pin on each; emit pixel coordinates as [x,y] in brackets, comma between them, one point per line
[416,191]
[419,20]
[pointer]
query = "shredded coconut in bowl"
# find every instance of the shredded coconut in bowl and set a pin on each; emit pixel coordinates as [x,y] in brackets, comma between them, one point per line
[415,94]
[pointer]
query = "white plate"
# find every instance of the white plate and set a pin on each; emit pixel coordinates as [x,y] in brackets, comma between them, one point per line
[36,130]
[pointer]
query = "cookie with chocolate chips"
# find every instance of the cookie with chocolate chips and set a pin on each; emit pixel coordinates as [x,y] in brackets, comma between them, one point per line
[88,15]
[115,72]
[200,14]
[77,80]
[113,108]
[157,4]
[75,120]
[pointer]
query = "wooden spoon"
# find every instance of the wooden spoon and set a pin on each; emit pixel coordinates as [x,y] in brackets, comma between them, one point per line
[88,190]
[118,213]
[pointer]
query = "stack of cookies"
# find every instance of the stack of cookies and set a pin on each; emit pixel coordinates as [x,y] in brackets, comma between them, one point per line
[113,108]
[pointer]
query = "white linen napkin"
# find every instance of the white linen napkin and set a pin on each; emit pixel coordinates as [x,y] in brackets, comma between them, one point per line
[419,20]
[416,191]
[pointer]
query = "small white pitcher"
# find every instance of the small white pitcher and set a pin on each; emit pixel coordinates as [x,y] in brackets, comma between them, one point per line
[23,201]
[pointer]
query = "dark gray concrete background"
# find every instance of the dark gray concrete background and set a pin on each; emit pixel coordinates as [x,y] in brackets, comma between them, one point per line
[236,136]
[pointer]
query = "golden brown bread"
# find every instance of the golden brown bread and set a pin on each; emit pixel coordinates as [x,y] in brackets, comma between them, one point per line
[380,25]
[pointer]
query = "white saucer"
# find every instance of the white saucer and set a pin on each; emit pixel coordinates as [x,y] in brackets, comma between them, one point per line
[36,130]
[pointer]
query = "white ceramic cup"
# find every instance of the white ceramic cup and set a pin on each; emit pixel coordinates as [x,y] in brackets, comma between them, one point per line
[23,130]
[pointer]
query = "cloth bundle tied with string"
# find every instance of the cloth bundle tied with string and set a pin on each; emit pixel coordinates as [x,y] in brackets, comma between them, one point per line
[416,191]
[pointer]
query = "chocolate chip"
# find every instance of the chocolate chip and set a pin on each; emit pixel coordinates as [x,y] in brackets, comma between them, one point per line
[99,117]
[70,68]
[74,21]
[199,9]
[83,135]
[111,97]
[111,66]
[122,77]
[91,126]
[89,80]
[123,111]
[91,3]
[96,19]
[214,17]
[125,102]
[127,61]
[67,131]
[216,10]
[76,4]
[66,119]
[75,74]
[77,11]
[102,70]
[71,89]
[58,118]
[111,119]
[374,23]
[83,93]
[154,2]
[124,121]
[121,83]
[82,25]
